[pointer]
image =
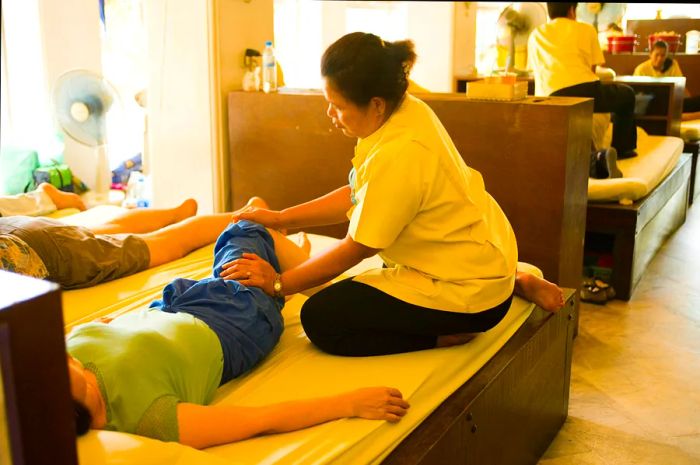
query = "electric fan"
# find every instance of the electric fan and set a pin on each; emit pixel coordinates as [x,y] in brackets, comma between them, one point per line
[601,15]
[82,100]
[515,23]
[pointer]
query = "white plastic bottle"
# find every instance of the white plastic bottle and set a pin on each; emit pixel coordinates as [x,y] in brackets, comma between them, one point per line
[269,68]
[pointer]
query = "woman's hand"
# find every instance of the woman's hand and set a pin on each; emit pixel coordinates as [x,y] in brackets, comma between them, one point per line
[263,216]
[251,270]
[377,403]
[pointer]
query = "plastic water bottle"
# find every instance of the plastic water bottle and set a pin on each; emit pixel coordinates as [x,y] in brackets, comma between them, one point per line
[136,192]
[269,65]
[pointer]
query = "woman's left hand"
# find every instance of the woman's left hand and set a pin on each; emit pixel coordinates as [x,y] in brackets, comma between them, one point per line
[251,270]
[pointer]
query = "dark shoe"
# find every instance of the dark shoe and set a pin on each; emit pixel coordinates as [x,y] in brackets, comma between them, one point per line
[605,287]
[611,163]
[594,295]
[598,167]
[627,154]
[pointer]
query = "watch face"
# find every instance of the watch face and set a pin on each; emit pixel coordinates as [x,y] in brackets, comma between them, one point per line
[277,286]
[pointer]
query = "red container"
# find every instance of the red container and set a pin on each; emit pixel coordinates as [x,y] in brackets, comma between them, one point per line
[622,44]
[673,41]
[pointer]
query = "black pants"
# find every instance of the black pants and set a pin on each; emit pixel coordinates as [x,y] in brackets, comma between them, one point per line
[691,104]
[615,98]
[353,319]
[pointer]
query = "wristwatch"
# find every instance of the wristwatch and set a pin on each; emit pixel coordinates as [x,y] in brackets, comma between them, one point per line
[277,286]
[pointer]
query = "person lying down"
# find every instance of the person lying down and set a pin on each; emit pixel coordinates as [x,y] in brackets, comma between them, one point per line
[154,372]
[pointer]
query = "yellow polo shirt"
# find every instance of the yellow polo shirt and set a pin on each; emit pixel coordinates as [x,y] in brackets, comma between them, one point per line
[446,242]
[561,53]
[646,69]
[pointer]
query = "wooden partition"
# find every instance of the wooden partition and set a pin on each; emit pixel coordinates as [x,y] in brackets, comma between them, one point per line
[39,420]
[533,155]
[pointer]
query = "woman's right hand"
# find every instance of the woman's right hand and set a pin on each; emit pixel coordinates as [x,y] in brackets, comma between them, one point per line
[377,403]
[263,216]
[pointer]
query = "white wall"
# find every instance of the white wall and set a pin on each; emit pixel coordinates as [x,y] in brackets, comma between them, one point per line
[464,34]
[179,102]
[70,32]
[429,24]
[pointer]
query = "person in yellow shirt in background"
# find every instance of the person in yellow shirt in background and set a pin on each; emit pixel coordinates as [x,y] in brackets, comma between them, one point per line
[449,251]
[660,64]
[563,55]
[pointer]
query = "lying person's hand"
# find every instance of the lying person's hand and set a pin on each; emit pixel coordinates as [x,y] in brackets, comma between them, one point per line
[251,270]
[377,403]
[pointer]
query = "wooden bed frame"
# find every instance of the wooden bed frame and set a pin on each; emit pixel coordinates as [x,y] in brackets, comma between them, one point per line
[284,149]
[637,231]
[693,148]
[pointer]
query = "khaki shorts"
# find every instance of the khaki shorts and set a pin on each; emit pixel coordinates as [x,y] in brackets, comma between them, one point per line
[74,256]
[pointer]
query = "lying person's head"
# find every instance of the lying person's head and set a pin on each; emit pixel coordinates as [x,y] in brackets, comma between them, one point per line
[87,399]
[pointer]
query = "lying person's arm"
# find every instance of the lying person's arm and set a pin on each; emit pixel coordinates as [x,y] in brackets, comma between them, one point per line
[203,426]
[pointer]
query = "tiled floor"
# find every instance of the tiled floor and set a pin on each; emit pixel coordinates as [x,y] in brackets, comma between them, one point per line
[635,387]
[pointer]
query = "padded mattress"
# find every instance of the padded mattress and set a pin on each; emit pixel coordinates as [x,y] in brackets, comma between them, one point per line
[657,156]
[690,130]
[294,370]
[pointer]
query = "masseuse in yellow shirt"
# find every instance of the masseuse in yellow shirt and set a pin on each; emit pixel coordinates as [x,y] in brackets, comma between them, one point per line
[449,251]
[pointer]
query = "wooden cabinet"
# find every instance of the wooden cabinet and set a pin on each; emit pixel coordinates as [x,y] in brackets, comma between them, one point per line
[662,116]
[38,414]
[460,82]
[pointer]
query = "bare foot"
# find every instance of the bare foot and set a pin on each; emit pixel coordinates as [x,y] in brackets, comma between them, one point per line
[448,340]
[186,209]
[539,291]
[62,199]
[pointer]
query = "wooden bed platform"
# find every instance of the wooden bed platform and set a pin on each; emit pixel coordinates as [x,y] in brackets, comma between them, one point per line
[639,230]
[636,232]
[284,149]
[693,148]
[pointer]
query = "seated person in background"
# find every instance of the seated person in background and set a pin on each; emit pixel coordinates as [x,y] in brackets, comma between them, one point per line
[660,64]
[153,372]
[77,256]
[563,54]
[42,201]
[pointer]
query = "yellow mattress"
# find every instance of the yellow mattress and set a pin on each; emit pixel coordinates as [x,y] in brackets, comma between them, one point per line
[690,130]
[294,370]
[657,156]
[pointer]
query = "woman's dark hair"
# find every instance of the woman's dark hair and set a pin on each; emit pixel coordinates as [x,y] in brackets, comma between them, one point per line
[361,66]
[660,44]
[560,10]
[83,418]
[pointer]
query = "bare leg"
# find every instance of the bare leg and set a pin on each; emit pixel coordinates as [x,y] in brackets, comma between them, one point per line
[179,239]
[539,291]
[289,254]
[61,199]
[146,220]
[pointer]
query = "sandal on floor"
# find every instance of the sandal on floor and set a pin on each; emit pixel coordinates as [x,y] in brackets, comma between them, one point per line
[607,288]
[594,295]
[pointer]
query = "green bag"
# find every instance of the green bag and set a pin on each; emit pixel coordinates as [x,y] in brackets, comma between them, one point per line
[17,166]
[59,175]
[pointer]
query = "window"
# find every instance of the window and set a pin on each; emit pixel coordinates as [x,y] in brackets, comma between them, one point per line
[304,29]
